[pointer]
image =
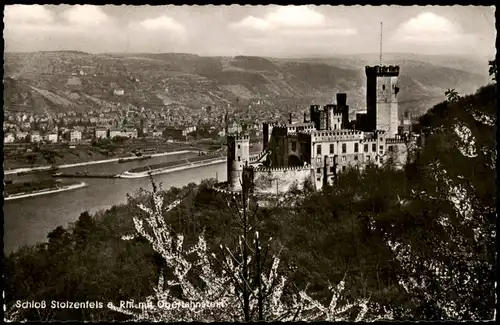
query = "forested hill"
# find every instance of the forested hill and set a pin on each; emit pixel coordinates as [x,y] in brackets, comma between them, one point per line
[422,240]
[420,243]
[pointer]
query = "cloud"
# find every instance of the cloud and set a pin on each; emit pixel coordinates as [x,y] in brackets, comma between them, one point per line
[320,32]
[27,14]
[161,23]
[36,19]
[296,17]
[294,21]
[250,22]
[86,15]
[429,27]
[164,31]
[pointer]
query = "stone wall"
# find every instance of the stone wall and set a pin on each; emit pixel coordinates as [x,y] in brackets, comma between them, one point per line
[397,153]
[272,180]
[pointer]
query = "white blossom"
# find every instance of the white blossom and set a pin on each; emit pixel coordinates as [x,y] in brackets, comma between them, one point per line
[220,297]
[467,143]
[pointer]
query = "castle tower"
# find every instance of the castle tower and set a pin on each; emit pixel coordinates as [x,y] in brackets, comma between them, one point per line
[267,131]
[381,98]
[343,108]
[238,156]
[315,115]
[330,109]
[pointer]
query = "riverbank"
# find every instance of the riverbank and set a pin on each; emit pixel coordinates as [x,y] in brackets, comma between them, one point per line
[167,170]
[43,168]
[45,191]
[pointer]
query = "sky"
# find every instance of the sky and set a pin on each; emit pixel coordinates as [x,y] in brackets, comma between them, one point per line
[279,31]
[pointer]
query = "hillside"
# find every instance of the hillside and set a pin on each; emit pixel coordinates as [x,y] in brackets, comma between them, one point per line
[84,81]
[419,242]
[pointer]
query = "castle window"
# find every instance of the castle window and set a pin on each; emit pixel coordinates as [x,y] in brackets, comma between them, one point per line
[331,170]
[238,146]
[383,87]
[318,161]
[367,158]
[344,147]
[374,147]
[331,161]
[239,158]
[294,146]
[335,126]
[343,158]
[381,149]
[319,170]
[343,168]
[318,149]
[381,160]
[390,148]
[356,147]
[365,148]
[331,148]
[356,157]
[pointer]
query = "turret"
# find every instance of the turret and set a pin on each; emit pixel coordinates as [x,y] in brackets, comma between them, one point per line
[238,156]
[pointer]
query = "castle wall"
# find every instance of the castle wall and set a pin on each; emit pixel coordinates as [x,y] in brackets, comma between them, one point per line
[397,153]
[279,180]
[326,162]
[393,127]
[387,105]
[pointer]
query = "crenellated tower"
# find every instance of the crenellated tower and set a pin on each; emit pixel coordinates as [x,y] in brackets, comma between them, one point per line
[238,156]
[381,98]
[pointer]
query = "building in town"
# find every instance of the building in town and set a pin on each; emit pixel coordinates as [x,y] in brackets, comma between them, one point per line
[115,132]
[130,133]
[35,136]
[52,137]
[9,138]
[21,135]
[156,134]
[75,136]
[101,133]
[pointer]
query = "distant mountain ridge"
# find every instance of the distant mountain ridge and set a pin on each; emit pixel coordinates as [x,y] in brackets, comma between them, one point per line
[197,81]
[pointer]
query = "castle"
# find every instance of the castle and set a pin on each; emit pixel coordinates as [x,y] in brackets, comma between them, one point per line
[321,147]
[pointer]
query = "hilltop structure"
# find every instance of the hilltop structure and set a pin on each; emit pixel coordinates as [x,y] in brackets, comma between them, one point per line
[321,147]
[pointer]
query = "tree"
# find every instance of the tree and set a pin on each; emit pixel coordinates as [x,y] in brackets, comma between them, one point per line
[452,95]
[59,239]
[221,287]
[493,69]
[450,272]
[83,229]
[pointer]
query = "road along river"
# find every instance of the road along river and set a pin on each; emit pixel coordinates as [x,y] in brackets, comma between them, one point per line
[28,220]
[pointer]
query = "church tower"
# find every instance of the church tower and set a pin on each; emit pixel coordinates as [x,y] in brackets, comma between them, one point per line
[381,98]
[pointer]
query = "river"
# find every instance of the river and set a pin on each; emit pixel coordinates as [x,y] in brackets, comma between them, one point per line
[27,221]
